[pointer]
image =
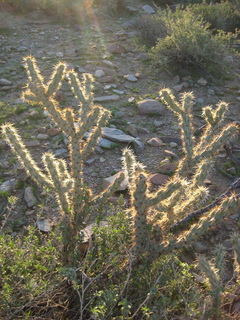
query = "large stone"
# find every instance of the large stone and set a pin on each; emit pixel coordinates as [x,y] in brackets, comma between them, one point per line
[151,106]
[108,181]
[116,48]
[116,135]
[5,82]
[106,98]
[148,9]
[29,197]
[8,185]
[158,179]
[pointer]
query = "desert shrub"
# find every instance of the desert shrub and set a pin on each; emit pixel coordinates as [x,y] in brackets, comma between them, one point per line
[150,28]
[189,43]
[223,15]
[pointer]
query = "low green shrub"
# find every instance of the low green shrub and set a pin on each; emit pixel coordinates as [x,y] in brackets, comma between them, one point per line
[224,15]
[190,44]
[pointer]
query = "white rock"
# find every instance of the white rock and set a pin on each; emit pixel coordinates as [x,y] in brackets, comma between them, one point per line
[148,9]
[131,78]
[29,197]
[99,73]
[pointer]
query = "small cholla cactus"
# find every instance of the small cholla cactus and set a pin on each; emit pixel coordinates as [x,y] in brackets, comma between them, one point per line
[73,197]
[154,213]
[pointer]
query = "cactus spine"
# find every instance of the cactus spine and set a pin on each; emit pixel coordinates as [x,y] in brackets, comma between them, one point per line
[154,213]
[74,199]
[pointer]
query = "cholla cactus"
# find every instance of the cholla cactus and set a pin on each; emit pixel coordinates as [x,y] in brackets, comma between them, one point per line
[73,197]
[154,213]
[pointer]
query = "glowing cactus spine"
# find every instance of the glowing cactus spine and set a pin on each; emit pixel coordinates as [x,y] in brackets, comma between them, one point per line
[73,197]
[154,213]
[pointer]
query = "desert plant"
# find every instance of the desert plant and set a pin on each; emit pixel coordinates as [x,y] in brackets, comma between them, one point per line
[189,43]
[74,198]
[154,213]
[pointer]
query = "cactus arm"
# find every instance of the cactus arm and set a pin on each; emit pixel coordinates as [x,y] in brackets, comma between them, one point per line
[102,197]
[17,145]
[56,79]
[90,120]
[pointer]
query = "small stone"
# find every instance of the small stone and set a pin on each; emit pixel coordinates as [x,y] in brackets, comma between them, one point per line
[29,212]
[138,146]
[32,144]
[148,9]
[5,82]
[173,144]
[132,130]
[99,73]
[22,49]
[59,55]
[102,159]
[81,70]
[8,185]
[42,136]
[43,225]
[106,79]
[158,124]
[131,78]
[158,179]
[116,48]
[178,88]
[29,197]
[170,154]
[60,152]
[116,135]
[155,142]
[106,98]
[34,114]
[202,82]
[118,91]
[52,132]
[143,131]
[167,168]
[90,161]
[109,63]
[19,101]
[151,106]
[99,150]
[176,79]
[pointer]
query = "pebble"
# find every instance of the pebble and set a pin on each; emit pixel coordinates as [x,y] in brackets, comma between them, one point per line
[43,225]
[173,144]
[59,55]
[8,185]
[5,82]
[202,82]
[99,73]
[155,142]
[131,78]
[158,178]
[29,197]
[106,98]
[151,106]
[148,9]
[32,144]
[42,136]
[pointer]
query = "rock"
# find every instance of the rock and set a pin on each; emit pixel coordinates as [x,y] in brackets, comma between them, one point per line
[151,106]
[109,63]
[202,82]
[32,144]
[106,79]
[52,132]
[42,136]
[158,179]
[106,144]
[99,73]
[116,48]
[60,152]
[43,225]
[29,197]
[22,49]
[19,101]
[81,70]
[118,91]
[173,144]
[143,131]
[176,79]
[167,168]
[170,154]
[116,135]
[5,82]
[158,124]
[148,9]
[106,98]
[59,55]
[34,114]
[90,161]
[131,78]
[8,185]
[138,146]
[178,88]
[108,181]
[102,159]
[155,142]
[132,130]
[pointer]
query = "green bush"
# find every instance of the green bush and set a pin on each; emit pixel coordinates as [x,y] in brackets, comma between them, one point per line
[223,15]
[190,44]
